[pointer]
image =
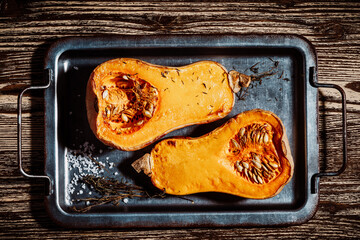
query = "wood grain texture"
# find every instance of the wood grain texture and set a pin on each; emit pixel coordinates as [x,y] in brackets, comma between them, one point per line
[27,28]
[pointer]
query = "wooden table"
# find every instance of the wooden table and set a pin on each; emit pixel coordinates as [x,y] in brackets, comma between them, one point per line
[28,28]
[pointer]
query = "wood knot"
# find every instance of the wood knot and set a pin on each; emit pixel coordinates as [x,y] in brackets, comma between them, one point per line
[164,23]
[286,3]
[333,29]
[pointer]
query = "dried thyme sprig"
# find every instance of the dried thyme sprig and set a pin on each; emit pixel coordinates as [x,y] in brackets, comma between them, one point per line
[259,76]
[113,191]
[256,77]
[109,186]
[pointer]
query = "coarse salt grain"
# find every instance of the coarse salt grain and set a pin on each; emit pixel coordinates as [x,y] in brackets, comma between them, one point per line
[111,165]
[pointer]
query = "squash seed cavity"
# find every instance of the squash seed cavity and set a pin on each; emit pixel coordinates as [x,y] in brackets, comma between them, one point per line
[129,102]
[257,167]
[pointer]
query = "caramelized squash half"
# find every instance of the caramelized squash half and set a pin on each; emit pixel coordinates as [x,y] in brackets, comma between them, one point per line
[131,103]
[249,156]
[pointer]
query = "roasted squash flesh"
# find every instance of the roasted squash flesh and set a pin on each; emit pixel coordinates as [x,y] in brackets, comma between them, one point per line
[131,103]
[249,156]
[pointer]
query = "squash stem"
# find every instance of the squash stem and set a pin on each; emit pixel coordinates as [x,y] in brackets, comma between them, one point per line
[238,80]
[143,164]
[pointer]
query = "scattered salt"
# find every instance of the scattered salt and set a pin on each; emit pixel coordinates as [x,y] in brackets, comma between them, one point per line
[81,163]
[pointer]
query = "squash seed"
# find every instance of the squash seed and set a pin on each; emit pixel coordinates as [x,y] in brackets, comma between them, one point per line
[246,165]
[238,166]
[246,173]
[124,117]
[105,94]
[258,137]
[147,113]
[264,167]
[150,107]
[260,179]
[254,177]
[257,164]
[242,132]
[256,158]
[250,174]
[252,135]
[261,139]
[266,138]
[269,167]
[125,77]
[116,110]
[235,143]
[274,165]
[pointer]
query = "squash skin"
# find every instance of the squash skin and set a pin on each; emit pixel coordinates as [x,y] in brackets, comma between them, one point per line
[194,94]
[182,166]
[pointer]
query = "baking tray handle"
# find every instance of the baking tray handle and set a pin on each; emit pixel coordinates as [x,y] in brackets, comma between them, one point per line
[315,177]
[19,131]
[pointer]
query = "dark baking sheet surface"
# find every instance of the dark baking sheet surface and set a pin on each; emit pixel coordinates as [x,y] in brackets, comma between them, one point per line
[287,93]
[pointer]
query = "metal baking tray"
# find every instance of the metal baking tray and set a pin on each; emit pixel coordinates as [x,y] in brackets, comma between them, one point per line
[290,93]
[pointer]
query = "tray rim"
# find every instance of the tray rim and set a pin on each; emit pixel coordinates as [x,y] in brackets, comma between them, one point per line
[180,219]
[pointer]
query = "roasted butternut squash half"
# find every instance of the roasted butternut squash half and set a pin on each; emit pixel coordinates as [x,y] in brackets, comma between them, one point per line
[249,156]
[131,103]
